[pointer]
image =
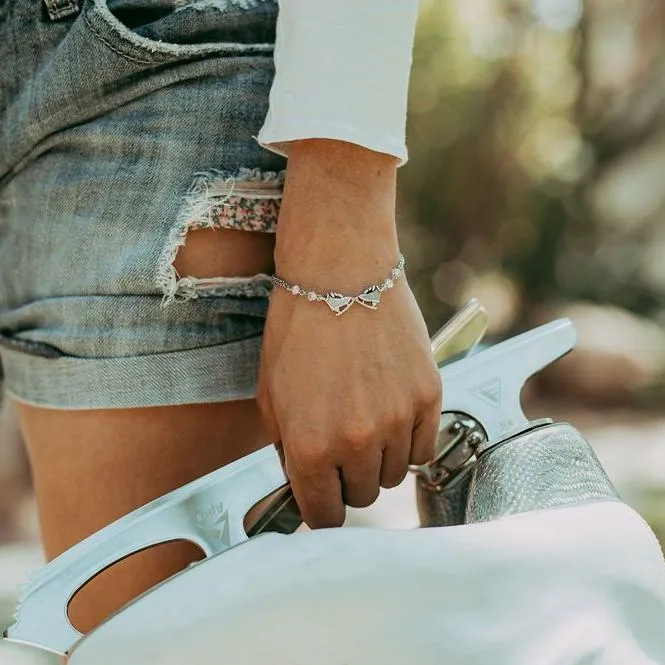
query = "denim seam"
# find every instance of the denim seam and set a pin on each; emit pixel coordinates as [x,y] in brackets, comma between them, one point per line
[115,50]
[221,5]
[30,347]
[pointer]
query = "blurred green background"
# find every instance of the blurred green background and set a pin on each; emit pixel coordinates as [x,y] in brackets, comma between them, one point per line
[536,139]
[535,184]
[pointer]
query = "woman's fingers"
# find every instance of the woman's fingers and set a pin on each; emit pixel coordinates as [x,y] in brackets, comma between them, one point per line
[361,476]
[317,488]
[395,462]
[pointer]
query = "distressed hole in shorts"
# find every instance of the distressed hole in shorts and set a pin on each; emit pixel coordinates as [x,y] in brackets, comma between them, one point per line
[246,201]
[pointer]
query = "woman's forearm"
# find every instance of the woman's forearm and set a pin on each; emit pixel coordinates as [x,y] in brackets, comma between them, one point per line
[337,224]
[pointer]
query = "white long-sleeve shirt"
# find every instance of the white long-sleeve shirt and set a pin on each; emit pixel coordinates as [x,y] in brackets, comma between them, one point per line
[342,72]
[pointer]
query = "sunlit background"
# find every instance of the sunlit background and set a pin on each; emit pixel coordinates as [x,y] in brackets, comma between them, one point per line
[536,184]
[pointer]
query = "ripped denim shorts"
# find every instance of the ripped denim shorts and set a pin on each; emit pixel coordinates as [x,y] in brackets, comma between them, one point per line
[125,124]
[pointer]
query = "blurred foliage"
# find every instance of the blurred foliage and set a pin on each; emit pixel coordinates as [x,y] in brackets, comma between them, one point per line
[536,137]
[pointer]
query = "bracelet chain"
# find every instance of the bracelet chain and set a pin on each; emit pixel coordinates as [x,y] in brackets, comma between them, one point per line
[338,302]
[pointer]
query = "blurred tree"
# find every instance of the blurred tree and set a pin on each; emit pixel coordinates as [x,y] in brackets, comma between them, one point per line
[525,117]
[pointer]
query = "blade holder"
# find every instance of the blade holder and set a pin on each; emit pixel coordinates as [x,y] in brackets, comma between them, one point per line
[208,512]
[487,386]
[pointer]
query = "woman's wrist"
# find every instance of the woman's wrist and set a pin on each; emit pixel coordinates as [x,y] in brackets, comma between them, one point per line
[337,223]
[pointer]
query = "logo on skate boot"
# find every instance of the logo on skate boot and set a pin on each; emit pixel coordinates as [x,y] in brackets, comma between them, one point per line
[215,522]
[489,391]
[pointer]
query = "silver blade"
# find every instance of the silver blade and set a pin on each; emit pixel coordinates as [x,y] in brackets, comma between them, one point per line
[208,512]
[461,334]
[487,385]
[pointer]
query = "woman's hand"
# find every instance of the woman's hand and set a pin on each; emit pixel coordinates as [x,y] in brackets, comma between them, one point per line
[353,399]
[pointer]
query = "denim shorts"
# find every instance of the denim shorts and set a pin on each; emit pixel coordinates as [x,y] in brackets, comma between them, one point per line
[125,124]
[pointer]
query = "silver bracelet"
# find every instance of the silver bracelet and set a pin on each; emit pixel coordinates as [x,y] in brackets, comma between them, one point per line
[339,303]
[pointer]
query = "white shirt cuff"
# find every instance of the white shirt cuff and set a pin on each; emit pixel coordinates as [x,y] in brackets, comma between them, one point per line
[342,72]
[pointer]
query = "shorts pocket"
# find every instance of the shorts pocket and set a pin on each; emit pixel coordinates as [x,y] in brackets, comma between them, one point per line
[147,32]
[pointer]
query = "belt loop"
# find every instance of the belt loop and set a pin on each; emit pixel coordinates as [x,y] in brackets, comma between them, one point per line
[59,9]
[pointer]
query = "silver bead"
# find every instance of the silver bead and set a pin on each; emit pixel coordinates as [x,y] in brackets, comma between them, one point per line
[389,283]
[396,273]
[311,296]
[295,289]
